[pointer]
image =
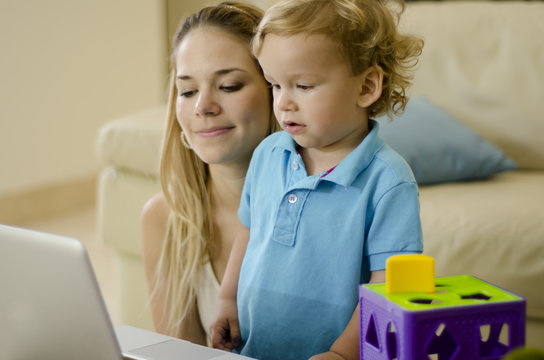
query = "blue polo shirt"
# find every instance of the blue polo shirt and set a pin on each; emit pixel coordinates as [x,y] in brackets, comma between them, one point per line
[314,239]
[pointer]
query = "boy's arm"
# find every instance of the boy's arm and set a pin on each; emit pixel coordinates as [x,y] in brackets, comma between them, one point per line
[346,347]
[225,331]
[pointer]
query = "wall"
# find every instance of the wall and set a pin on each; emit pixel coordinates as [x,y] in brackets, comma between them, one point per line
[178,10]
[66,68]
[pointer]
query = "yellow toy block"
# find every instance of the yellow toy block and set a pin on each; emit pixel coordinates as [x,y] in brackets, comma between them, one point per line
[409,273]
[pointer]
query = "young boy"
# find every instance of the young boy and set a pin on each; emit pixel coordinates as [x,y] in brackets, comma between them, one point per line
[326,200]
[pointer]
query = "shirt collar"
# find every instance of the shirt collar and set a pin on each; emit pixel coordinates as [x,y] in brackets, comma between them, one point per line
[352,165]
[284,141]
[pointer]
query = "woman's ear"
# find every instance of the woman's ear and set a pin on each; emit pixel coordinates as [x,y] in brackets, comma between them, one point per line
[371,86]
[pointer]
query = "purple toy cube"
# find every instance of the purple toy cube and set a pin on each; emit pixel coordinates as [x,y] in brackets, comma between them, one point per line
[464,319]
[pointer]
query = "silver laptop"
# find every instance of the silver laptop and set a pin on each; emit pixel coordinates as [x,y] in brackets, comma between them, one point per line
[51,307]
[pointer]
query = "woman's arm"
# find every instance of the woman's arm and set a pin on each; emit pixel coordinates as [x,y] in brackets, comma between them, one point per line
[225,331]
[346,347]
[153,228]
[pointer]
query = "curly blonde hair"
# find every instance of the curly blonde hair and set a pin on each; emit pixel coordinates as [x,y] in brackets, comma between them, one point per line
[366,34]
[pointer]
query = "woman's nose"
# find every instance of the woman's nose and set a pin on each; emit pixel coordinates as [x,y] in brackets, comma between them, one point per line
[206,105]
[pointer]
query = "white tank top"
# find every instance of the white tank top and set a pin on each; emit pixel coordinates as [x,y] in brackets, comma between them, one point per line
[206,296]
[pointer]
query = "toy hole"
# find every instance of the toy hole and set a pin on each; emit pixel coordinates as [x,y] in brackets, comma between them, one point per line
[372,334]
[494,341]
[440,329]
[442,346]
[476,296]
[504,336]
[484,332]
[426,301]
[391,342]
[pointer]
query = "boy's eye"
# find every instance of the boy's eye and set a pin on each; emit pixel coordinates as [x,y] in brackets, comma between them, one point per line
[304,87]
[232,88]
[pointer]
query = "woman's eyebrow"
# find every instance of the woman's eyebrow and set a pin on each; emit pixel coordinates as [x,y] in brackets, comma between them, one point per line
[227,71]
[217,73]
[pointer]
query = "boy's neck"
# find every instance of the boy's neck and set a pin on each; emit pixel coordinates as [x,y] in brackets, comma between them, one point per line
[318,160]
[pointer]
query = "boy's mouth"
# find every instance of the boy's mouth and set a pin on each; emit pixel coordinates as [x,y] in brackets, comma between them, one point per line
[292,127]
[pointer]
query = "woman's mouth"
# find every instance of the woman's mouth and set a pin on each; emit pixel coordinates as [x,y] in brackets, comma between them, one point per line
[215,131]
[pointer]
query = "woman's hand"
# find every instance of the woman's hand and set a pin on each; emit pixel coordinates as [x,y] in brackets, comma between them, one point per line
[225,331]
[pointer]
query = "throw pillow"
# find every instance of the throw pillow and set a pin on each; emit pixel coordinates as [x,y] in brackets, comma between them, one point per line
[439,148]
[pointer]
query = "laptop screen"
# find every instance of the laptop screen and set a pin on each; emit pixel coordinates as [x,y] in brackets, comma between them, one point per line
[50,303]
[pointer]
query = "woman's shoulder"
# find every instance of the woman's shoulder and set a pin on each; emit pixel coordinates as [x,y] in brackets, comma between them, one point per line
[155,210]
[154,220]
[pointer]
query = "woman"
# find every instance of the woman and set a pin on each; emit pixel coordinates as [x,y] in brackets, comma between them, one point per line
[219,110]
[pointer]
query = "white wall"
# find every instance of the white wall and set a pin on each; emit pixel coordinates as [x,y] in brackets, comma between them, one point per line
[66,68]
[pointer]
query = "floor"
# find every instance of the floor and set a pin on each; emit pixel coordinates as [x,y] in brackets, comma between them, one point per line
[81,224]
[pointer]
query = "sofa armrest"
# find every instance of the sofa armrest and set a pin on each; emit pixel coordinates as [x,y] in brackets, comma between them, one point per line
[121,197]
[133,142]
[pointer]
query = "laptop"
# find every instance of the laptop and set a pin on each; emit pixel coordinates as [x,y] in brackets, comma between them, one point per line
[51,307]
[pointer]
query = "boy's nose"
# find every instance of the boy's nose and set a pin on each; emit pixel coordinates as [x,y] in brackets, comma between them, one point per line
[284,102]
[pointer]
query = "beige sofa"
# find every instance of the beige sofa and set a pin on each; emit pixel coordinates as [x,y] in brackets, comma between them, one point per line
[483,63]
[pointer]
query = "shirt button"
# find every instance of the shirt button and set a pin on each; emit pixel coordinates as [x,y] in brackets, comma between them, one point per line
[292,198]
[294,165]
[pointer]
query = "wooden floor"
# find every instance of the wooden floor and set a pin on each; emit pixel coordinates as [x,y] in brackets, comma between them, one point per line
[80,223]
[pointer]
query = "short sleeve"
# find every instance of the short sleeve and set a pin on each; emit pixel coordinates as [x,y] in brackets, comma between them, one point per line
[395,227]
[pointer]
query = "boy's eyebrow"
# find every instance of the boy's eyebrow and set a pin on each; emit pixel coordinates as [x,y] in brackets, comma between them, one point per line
[217,73]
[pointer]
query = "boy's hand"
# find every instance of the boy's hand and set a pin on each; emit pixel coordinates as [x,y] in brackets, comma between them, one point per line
[225,331]
[346,347]
[327,356]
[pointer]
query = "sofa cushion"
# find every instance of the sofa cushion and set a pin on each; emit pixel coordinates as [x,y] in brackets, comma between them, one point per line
[439,148]
[482,63]
[133,142]
[491,229]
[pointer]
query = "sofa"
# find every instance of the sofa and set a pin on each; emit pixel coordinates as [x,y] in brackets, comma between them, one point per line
[482,69]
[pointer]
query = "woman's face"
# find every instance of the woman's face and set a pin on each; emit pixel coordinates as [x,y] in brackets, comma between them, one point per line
[223,102]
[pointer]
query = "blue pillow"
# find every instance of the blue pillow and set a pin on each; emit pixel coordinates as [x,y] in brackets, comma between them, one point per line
[440,148]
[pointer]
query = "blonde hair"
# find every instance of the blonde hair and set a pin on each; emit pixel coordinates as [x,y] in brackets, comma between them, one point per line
[366,34]
[184,180]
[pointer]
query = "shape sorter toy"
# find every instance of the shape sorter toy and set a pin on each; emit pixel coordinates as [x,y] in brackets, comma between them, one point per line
[415,316]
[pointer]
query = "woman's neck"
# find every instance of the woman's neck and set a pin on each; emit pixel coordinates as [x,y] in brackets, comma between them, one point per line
[226,183]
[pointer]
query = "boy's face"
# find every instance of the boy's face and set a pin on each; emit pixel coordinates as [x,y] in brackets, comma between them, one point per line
[315,94]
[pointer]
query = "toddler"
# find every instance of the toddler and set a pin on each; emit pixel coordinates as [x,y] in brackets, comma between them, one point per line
[325,201]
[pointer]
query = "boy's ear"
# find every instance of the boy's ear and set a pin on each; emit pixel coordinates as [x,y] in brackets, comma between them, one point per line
[371,86]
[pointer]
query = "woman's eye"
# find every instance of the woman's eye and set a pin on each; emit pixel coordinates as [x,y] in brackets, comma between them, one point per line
[232,88]
[187,93]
